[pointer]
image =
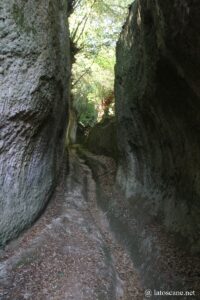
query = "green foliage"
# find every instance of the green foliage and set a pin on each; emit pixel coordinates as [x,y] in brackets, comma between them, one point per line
[95,26]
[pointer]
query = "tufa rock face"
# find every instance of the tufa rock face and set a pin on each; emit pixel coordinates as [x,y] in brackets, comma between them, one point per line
[157,94]
[34,76]
[102,139]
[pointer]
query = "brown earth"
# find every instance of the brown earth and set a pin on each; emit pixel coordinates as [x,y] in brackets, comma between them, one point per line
[70,252]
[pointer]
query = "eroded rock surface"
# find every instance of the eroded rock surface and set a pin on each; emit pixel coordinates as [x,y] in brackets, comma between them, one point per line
[161,263]
[102,138]
[34,72]
[70,252]
[158,112]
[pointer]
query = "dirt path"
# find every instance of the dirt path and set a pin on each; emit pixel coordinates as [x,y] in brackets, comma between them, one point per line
[163,264]
[70,252]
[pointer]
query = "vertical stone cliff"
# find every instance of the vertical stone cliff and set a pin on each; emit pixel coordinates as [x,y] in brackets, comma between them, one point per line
[34,80]
[157,92]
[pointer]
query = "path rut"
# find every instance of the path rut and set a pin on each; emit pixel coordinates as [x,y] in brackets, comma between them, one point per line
[70,252]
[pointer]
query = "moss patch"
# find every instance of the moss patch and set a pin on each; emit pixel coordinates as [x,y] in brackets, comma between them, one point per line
[18,15]
[24,261]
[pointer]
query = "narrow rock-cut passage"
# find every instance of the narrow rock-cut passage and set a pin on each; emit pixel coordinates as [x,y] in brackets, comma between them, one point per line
[163,265]
[70,253]
[149,223]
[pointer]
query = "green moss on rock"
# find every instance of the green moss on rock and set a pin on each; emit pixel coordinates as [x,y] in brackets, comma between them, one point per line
[19,17]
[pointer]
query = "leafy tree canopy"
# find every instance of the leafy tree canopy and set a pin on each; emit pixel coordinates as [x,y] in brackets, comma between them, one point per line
[95,26]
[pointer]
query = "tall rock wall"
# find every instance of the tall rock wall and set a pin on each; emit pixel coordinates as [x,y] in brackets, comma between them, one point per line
[102,138]
[34,81]
[157,94]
